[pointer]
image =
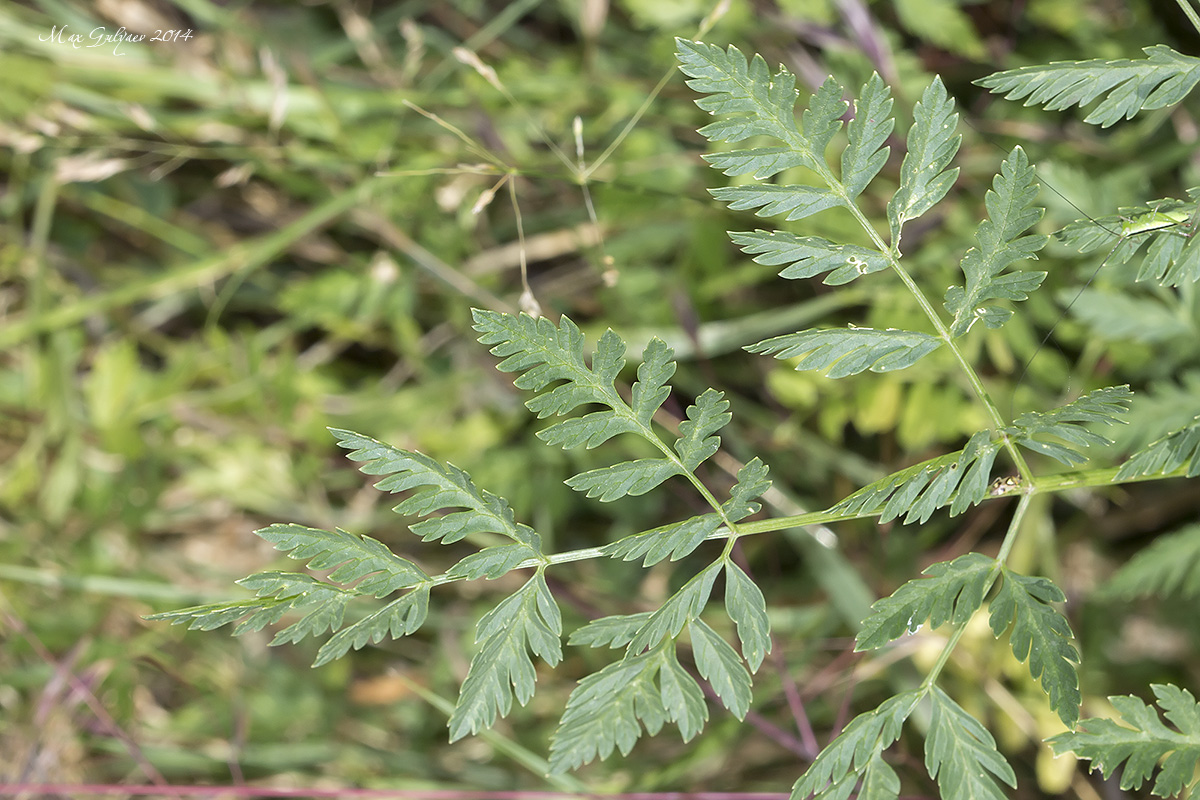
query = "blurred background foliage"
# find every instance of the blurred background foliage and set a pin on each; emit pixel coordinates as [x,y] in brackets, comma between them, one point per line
[215,247]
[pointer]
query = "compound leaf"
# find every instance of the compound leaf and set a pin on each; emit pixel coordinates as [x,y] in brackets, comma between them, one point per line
[682,607]
[1166,454]
[651,390]
[797,202]
[959,478]
[609,709]
[627,478]
[1066,423]
[354,556]
[437,487]
[809,256]
[932,143]
[849,351]
[752,483]
[952,593]
[865,154]
[528,620]
[491,562]
[746,606]
[855,748]
[766,103]
[959,753]
[1041,634]
[401,617]
[1164,78]
[615,631]
[675,541]
[720,665]
[1145,744]
[590,430]
[705,417]
[1001,243]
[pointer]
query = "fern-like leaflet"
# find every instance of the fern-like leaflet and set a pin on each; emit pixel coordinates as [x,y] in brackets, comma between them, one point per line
[1162,79]
[1147,744]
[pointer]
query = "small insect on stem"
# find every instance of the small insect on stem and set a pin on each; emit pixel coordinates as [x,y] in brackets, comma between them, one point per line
[1003,486]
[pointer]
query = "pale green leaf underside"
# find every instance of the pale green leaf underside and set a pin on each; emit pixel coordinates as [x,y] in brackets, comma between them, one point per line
[615,631]
[849,351]
[1001,243]
[1144,746]
[952,593]
[1166,454]
[626,478]
[925,176]
[746,606]
[1170,565]
[401,617]
[1067,423]
[527,621]
[720,665]
[680,609]
[752,482]
[796,202]
[959,479]
[838,767]
[705,417]
[809,256]
[1041,634]
[865,154]
[1162,79]
[355,557]
[436,487]
[960,753]
[672,541]
[609,709]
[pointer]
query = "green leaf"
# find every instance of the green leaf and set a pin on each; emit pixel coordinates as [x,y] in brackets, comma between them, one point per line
[491,562]
[849,351]
[752,482]
[959,478]
[932,143]
[628,477]
[528,620]
[437,487]
[855,749]
[651,390]
[1143,745]
[720,665]
[760,162]
[590,430]
[952,593]
[880,781]
[797,202]
[615,631]
[809,256]
[705,417]
[1042,635]
[1001,241]
[355,557]
[401,617]
[213,615]
[1167,454]
[1066,423]
[1163,79]
[959,753]
[746,606]
[324,602]
[675,541]
[1170,565]
[608,709]
[865,153]
[943,23]
[823,118]
[734,86]
[682,696]
[543,354]
[682,607]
